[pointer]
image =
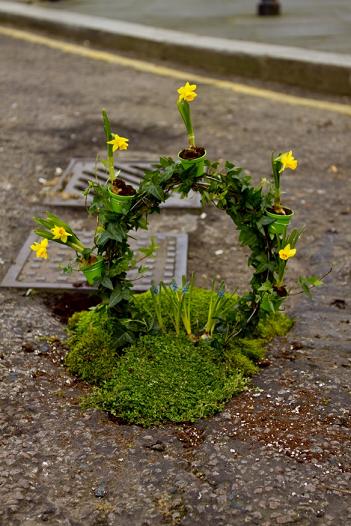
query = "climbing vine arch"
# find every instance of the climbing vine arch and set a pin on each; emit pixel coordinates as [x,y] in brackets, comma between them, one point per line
[228,188]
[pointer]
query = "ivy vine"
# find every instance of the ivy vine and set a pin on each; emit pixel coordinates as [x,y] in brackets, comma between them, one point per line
[228,188]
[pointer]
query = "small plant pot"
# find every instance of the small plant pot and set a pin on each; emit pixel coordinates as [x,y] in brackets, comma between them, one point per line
[93,272]
[199,162]
[120,203]
[281,222]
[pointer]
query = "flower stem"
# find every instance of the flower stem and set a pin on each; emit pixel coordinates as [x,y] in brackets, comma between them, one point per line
[77,247]
[184,110]
[276,182]
[191,139]
[108,134]
[281,272]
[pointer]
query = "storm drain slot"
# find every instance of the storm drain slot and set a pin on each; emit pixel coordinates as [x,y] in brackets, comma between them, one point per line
[169,262]
[75,179]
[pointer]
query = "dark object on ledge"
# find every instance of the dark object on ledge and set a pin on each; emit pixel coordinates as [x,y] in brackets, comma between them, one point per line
[268,8]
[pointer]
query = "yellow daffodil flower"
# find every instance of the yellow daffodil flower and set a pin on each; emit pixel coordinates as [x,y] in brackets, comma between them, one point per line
[60,233]
[287,252]
[187,92]
[287,160]
[118,142]
[40,249]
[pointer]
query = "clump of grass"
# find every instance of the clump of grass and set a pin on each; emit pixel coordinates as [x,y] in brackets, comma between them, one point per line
[199,303]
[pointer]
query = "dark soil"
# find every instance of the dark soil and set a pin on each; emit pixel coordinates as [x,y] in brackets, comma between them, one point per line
[281,291]
[119,187]
[63,306]
[90,261]
[192,153]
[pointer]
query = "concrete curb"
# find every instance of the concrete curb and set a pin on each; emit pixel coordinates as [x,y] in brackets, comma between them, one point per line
[321,71]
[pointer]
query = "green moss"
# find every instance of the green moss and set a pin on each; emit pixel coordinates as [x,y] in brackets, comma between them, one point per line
[234,359]
[252,348]
[163,378]
[92,354]
[278,324]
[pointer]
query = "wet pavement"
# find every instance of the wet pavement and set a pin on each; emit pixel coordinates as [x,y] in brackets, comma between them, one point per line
[313,24]
[278,454]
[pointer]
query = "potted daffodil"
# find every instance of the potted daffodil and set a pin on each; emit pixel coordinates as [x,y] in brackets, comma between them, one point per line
[121,194]
[280,215]
[192,154]
[54,229]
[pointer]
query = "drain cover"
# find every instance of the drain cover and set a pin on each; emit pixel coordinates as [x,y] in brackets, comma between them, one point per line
[75,179]
[169,262]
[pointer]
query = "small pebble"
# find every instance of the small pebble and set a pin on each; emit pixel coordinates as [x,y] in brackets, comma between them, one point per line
[100,491]
[158,446]
[44,348]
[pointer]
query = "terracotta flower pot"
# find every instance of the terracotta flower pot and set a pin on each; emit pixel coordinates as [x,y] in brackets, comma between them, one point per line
[281,222]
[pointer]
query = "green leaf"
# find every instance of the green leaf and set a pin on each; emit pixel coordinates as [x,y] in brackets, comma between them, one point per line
[43,233]
[116,232]
[267,304]
[116,297]
[155,190]
[106,282]
[266,287]
[43,222]
[165,162]
[247,237]
[101,239]
[304,286]
[150,249]
[118,294]
[265,220]
[107,129]
[315,281]
[309,282]
[184,110]
[119,268]
[59,222]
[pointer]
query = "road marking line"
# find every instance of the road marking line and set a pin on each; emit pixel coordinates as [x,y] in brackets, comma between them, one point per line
[149,67]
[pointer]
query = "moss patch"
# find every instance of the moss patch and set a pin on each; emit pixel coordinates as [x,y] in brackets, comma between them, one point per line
[278,324]
[164,378]
[161,377]
[92,354]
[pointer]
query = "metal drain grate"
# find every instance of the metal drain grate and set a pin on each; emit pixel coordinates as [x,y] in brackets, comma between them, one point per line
[169,262]
[75,179]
